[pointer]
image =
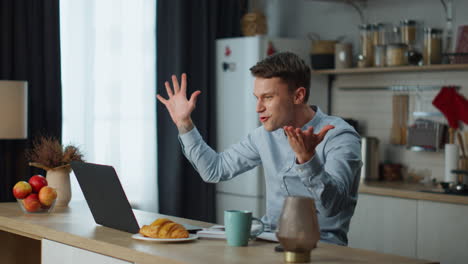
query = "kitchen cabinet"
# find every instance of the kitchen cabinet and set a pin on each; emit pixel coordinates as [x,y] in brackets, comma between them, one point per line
[18,249]
[442,232]
[384,224]
[415,228]
[58,253]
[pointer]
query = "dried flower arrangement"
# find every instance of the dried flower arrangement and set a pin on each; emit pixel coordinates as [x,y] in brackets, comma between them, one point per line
[47,153]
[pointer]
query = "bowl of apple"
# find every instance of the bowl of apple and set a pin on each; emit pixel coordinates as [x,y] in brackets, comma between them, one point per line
[34,196]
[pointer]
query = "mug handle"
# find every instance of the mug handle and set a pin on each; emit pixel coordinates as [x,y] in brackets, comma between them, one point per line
[254,235]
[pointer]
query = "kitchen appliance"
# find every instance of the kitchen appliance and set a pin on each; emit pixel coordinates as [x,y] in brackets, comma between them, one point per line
[236,115]
[459,187]
[370,159]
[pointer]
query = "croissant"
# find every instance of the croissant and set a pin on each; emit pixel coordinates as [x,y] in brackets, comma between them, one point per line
[164,228]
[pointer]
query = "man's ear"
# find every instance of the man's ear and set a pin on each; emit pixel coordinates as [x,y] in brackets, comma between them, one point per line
[299,95]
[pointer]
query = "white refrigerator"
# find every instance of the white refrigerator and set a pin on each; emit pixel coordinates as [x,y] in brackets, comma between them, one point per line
[235,112]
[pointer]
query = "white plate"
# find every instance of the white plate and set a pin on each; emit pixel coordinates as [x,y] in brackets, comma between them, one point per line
[141,237]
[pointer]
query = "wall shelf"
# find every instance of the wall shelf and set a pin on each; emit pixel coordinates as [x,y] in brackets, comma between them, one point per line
[425,68]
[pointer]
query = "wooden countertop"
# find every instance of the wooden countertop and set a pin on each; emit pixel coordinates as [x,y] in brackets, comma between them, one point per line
[75,226]
[411,191]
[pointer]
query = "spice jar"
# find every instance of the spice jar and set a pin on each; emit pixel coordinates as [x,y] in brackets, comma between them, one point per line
[367,43]
[432,46]
[396,54]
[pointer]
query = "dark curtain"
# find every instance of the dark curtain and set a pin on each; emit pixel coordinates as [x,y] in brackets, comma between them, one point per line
[30,51]
[186,34]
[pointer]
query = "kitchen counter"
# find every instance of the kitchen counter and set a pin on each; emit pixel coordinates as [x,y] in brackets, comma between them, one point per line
[74,227]
[411,191]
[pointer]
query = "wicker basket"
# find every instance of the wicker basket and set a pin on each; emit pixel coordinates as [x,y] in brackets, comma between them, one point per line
[254,23]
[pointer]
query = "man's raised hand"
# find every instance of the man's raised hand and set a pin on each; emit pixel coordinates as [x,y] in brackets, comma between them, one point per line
[303,143]
[177,104]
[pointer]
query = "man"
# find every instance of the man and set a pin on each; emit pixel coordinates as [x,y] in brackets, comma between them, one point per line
[323,166]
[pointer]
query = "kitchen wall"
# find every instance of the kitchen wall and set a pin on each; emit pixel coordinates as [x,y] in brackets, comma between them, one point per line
[297,18]
[330,20]
[373,109]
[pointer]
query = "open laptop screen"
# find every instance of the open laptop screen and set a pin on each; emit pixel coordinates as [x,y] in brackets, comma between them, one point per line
[105,196]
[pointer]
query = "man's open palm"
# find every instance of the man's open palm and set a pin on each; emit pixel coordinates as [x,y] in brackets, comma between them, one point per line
[303,143]
[177,104]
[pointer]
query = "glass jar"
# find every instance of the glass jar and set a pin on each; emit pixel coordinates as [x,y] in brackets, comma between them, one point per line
[384,32]
[379,55]
[432,46]
[367,43]
[375,34]
[408,32]
[343,55]
[394,35]
[396,54]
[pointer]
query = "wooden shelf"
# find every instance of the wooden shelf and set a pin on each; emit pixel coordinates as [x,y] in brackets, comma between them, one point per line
[439,67]
[341,1]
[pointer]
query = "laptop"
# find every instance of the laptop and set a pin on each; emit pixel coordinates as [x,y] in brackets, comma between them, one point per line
[106,198]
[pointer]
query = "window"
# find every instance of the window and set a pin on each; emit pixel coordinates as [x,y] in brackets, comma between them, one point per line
[108,83]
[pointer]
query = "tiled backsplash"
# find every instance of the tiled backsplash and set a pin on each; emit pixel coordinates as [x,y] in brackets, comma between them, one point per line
[373,110]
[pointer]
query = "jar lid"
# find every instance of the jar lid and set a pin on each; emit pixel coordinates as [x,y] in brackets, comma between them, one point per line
[367,26]
[408,22]
[433,30]
[382,25]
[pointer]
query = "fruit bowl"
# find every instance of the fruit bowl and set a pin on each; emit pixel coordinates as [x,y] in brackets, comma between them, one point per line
[34,196]
[35,209]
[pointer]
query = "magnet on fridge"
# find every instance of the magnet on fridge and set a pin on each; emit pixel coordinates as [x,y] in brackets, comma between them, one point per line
[229,66]
[227,51]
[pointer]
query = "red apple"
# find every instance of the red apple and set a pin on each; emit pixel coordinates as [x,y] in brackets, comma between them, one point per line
[47,196]
[21,189]
[37,182]
[31,203]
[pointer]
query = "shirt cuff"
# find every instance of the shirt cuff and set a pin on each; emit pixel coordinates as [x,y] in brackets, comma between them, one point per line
[310,168]
[190,138]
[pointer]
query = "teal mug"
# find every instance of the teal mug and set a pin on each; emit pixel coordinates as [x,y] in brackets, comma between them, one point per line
[238,224]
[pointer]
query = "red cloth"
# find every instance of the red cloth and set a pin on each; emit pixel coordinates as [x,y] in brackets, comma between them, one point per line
[453,105]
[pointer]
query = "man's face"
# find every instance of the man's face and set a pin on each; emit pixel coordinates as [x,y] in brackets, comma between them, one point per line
[275,103]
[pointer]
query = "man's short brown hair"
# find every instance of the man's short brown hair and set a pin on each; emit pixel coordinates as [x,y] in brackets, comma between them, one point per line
[288,67]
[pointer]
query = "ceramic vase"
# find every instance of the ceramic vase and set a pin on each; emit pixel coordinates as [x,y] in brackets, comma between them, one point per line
[298,228]
[59,178]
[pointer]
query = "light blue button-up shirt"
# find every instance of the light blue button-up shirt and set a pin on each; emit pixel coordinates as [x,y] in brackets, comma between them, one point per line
[331,177]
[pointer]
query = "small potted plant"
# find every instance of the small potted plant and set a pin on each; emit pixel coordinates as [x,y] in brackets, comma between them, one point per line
[47,153]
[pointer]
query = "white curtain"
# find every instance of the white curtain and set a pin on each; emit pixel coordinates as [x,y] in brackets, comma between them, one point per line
[108,81]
